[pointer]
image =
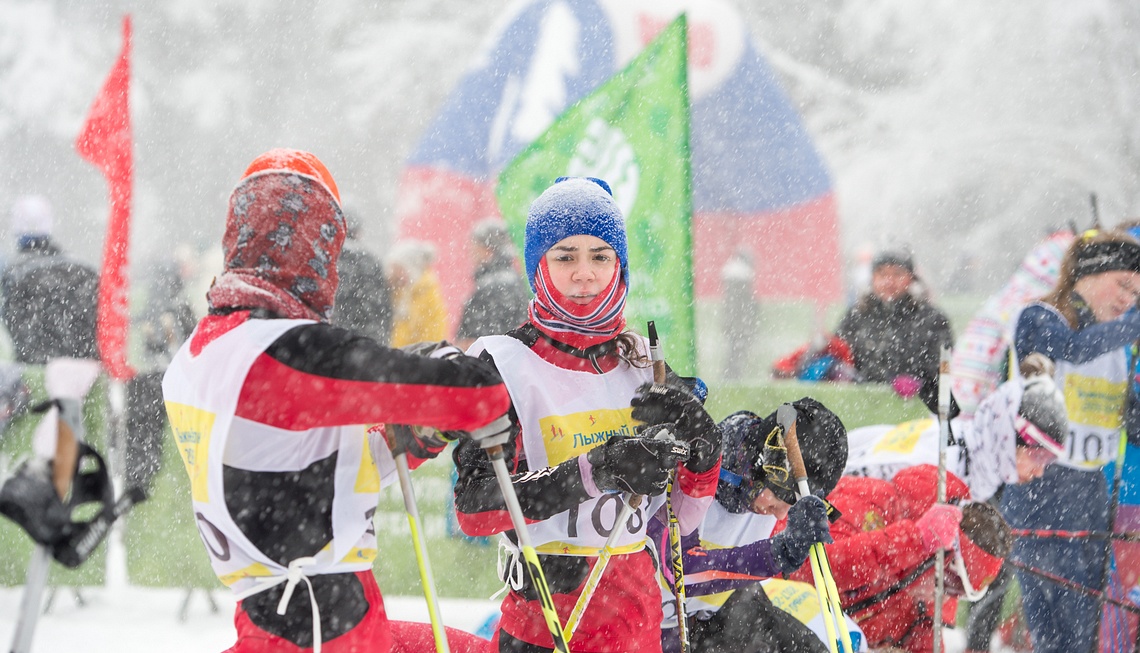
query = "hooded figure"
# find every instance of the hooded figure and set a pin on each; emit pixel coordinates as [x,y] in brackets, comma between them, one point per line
[273,410]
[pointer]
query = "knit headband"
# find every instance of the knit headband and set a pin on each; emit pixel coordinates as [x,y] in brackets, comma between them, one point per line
[1096,258]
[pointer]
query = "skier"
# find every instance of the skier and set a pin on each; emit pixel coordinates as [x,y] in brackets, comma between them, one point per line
[733,549]
[269,405]
[1014,434]
[1085,324]
[884,550]
[579,384]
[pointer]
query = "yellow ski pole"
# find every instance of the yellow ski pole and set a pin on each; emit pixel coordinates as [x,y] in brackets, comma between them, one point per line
[530,556]
[603,560]
[427,581]
[825,586]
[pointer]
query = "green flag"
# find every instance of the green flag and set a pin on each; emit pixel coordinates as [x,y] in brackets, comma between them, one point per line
[633,132]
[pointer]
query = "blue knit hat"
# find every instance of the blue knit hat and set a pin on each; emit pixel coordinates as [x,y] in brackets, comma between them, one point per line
[574,206]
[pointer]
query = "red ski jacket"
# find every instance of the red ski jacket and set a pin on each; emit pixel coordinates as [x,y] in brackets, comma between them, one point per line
[884,575]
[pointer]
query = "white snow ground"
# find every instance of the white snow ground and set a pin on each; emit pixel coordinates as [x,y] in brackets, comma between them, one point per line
[143,620]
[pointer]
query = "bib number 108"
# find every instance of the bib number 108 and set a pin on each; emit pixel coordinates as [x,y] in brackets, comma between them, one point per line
[634,524]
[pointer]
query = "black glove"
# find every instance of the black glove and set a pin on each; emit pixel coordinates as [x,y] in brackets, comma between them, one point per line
[638,465]
[657,403]
[425,442]
[807,524]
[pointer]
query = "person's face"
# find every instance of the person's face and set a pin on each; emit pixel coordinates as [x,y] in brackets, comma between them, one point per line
[1109,294]
[1031,462]
[581,267]
[890,282]
[766,503]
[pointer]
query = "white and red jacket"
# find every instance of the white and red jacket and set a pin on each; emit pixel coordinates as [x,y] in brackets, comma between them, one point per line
[273,421]
[565,404]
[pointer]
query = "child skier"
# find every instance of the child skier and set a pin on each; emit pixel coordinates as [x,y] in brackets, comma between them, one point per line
[579,385]
[269,404]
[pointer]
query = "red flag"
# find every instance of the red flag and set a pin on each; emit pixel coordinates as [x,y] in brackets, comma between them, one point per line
[105,141]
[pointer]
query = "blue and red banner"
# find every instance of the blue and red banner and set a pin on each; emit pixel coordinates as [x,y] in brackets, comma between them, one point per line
[758,182]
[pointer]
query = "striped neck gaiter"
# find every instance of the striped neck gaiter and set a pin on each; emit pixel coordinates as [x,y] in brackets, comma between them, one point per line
[578,325]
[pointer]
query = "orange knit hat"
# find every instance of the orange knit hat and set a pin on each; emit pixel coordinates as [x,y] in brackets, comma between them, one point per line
[298,161]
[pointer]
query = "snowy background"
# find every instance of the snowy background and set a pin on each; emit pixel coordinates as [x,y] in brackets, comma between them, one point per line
[963,128]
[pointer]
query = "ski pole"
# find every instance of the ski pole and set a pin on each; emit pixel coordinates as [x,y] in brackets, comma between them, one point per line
[943,440]
[595,577]
[657,356]
[530,556]
[825,586]
[63,466]
[427,581]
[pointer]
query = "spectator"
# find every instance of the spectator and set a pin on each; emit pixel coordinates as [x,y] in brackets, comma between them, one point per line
[417,302]
[1086,324]
[739,314]
[894,334]
[166,323]
[49,298]
[363,300]
[499,301]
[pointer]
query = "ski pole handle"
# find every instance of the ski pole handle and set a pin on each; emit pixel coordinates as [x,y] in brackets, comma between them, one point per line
[656,354]
[825,587]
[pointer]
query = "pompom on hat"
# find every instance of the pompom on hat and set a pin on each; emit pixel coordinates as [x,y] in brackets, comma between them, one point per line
[574,206]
